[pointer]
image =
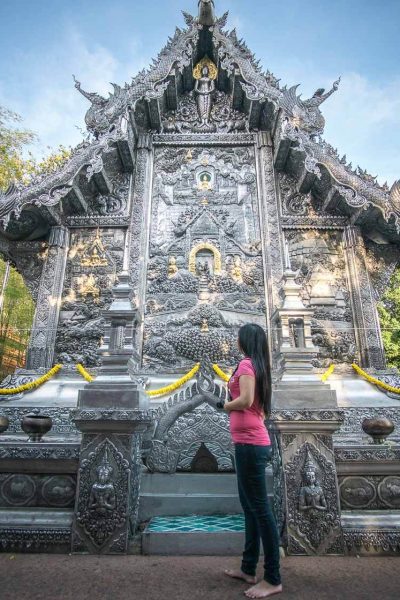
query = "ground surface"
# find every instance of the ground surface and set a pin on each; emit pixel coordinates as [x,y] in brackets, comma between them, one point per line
[45,577]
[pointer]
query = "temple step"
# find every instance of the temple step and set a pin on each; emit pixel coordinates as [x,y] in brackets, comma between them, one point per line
[185,494]
[213,535]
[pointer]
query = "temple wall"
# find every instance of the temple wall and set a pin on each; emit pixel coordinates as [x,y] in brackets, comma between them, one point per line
[205,275]
[336,274]
[234,224]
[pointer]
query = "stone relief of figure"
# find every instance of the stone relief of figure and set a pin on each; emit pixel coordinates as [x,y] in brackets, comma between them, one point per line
[172,266]
[102,495]
[203,268]
[87,286]
[236,270]
[205,74]
[312,496]
[205,182]
[204,326]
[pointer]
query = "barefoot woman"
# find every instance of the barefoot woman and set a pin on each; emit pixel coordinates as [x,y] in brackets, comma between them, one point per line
[250,391]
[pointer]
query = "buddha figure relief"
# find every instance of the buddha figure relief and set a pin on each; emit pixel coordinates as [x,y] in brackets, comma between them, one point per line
[172,267]
[205,74]
[312,496]
[87,286]
[102,495]
[236,269]
[204,326]
[205,182]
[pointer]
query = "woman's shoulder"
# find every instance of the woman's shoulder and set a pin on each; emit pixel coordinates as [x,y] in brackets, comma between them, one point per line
[246,367]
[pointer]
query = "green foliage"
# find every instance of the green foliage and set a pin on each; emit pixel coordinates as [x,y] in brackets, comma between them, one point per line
[13,142]
[389,313]
[16,319]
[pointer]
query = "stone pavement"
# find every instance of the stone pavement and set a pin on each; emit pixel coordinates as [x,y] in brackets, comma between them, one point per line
[63,577]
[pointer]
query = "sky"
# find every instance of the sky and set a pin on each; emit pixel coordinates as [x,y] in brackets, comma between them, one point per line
[312,42]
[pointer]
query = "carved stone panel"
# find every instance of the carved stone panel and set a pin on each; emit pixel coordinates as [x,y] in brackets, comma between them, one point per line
[369,337]
[188,434]
[102,506]
[51,491]
[313,513]
[222,118]
[188,425]
[318,258]
[115,203]
[205,270]
[94,260]
[308,495]
[370,492]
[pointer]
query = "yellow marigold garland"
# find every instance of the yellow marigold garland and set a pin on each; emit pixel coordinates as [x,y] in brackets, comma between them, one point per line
[82,371]
[221,373]
[175,386]
[28,387]
[328,373]
[374,381]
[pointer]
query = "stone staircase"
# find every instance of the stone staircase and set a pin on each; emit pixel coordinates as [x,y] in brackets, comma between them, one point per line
[192,514]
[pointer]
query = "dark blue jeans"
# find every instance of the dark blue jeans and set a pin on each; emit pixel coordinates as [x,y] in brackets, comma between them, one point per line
[259,519]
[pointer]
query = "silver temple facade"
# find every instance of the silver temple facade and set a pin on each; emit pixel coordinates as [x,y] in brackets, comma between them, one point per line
[204,197]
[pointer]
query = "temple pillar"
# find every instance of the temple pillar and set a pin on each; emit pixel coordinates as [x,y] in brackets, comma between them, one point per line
[307,501]
[365,316]
[271,232]
[41,346]
[110,464]
[139,229]
[112,415]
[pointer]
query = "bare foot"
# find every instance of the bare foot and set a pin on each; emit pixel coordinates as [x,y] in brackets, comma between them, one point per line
[238,574]
[263,590]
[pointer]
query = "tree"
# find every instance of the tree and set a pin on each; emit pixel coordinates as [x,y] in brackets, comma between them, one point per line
[13,143]
[389,313]
[16,317]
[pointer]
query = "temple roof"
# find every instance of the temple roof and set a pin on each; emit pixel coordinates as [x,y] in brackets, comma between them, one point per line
[115,125]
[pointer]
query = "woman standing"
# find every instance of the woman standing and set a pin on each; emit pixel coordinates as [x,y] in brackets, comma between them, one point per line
[250,391]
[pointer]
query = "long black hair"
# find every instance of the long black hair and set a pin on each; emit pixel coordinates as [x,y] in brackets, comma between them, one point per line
[254,345]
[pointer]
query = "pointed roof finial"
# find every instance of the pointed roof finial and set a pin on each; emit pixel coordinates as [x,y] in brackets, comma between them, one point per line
[206,13]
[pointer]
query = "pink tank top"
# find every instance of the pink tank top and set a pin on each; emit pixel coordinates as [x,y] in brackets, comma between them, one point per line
[247,426]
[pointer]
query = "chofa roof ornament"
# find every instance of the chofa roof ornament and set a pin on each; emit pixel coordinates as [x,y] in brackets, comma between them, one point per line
[206,13]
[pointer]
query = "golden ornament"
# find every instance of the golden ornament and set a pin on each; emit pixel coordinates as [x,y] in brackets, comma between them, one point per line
[205,62]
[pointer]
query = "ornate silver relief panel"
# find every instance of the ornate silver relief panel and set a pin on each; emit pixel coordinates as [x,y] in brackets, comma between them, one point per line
[205,272]
[318,257]
[94,259]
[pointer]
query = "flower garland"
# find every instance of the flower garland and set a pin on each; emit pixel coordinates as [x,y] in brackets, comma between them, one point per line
[28,387]
[221,373]
[82,371]
[174,386]
[374,381]
[328,373]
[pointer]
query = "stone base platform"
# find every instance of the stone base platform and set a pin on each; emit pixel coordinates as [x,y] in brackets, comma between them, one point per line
[191,494]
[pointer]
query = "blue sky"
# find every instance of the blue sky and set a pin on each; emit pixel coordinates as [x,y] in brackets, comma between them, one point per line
[42,42]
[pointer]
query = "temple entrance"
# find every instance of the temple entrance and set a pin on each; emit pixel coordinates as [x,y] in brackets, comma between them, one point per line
[204,461]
